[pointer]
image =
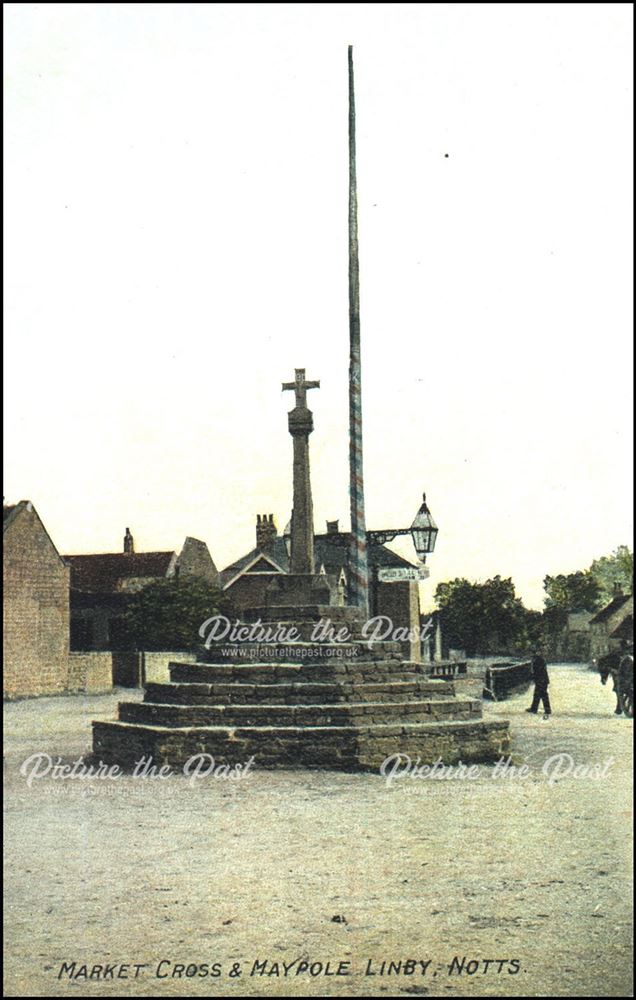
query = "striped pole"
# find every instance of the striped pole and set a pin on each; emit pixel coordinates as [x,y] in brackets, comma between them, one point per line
[358,566]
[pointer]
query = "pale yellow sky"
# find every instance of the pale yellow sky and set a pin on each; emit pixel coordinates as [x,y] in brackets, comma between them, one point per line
[176,243]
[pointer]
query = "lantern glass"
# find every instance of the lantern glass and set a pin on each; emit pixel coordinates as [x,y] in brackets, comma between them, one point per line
[424,531]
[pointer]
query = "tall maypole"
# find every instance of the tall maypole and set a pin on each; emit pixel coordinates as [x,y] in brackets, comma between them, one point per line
[358,565]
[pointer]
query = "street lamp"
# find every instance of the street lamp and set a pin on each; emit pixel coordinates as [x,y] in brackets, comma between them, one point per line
[424,531]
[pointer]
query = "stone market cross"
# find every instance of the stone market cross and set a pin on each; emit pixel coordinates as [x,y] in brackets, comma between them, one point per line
[299,386]
[312,702]
[301,425]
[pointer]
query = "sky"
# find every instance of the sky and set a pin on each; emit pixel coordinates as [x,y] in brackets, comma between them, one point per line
[176,244]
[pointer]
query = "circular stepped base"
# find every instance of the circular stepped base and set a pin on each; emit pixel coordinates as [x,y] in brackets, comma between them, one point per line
[231,692]
[322,670]
[358,713]
[355,748]
[340,706]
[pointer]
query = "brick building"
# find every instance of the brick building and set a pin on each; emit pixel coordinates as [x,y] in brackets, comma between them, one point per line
[35,608]
[102,583]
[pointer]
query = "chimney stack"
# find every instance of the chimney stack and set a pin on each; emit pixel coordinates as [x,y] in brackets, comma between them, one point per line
[265,529]
[332,527]
[129,543]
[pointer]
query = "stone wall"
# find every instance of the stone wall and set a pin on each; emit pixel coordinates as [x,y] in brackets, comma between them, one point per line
[90,673]
[155,665]
[99,670]
[36,609]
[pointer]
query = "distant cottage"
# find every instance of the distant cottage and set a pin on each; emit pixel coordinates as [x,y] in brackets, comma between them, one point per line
[612,624]
[101,586]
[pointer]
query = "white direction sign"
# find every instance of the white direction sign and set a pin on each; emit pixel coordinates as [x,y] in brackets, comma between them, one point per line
[391,574]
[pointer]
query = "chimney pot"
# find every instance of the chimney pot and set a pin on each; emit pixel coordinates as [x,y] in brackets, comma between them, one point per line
[265,529]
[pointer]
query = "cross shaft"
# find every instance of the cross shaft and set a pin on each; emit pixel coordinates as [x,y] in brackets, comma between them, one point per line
[300,386]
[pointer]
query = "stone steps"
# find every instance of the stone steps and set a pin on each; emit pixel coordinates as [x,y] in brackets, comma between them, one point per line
[246,673]
[350,747]
[346,706]
[352,671]
[295,692]
[178,716]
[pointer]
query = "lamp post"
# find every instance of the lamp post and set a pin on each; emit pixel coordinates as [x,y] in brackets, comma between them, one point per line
[423,531]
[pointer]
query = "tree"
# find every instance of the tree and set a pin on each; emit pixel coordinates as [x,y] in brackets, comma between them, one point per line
[573,591]
[614,571]
[592,588]
[169,613]
[460,613]
[484,617]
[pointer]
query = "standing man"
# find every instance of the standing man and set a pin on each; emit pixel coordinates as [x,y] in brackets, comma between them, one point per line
[541,683]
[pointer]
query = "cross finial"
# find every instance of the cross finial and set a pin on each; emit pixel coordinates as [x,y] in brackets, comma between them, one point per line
[300,386]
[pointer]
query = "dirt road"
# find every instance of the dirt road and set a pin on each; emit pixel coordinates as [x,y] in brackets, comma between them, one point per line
[531,873]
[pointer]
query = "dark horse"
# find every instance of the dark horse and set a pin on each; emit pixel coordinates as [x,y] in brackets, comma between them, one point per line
[620,664]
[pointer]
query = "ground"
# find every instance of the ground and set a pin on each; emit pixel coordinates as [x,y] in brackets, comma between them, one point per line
[327,867]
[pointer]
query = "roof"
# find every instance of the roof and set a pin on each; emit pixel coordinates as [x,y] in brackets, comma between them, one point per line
[330,551]
[104,573]
[274,551]
[333,553]
[11,511]
[625,630]
[606,613]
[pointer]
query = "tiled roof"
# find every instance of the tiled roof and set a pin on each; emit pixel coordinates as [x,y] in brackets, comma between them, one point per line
[334,553]
[625,630]
[103,573]
[330,551]
[605,613]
